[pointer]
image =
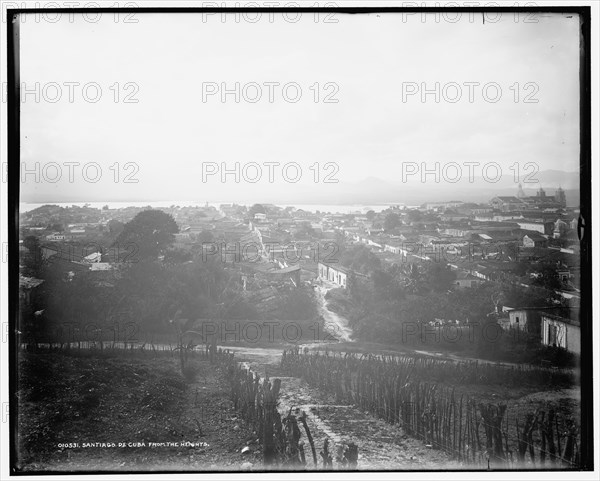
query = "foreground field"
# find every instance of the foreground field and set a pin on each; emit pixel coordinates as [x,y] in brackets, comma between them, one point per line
[74,397]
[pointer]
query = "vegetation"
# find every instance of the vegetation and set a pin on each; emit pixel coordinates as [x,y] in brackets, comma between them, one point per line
[416,305]
[151,231]
[392,220]
[358,258]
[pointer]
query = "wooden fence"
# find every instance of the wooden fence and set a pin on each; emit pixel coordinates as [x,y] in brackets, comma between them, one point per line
[471,431]
[257,400]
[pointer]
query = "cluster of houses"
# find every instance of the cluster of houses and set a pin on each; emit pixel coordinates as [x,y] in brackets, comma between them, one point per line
[482,242]
[280,246]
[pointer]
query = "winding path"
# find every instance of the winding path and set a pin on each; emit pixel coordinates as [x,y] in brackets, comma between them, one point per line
[333,323]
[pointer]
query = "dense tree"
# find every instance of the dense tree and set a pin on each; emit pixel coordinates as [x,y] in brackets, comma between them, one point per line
[360,258]
[392,220]
[256,209]
[205,236]
[296,304]
[414,215]
[177,256]
[115,227]
[371,215]
[413,279]
[439,277]
[151,231]
[304,230]
[386,286]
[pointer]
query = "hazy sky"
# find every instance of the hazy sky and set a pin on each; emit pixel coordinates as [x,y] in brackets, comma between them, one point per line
[370,61]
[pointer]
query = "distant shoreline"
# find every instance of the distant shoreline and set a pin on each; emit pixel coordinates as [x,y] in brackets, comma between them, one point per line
[341,208]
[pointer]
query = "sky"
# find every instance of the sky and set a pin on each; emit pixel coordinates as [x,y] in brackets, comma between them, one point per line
[371,69]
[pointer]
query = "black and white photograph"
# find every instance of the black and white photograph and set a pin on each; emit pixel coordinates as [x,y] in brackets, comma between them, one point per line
[302,239]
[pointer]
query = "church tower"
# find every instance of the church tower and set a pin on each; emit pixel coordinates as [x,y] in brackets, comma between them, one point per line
[560,196]
[541,192]
[520,193]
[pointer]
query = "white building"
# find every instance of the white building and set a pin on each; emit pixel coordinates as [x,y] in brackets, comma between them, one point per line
[338,275]
[55,237]
[92,258]
[561,332]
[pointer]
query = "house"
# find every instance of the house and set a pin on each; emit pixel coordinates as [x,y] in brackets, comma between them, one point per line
[374,243]
[395,248]
[574,223]
[374,232]
[534,240]
[564,274]
[272,272]
[260,217]
[530,318]
[543,227]
[56,236]
[338,275]
[524,319]
[561,332]
[444,205]
[285,222]
[561,228]
[77,233]
[507,203]
[93,257]
[466,280]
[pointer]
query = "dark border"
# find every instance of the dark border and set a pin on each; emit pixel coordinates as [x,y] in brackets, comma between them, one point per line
[585,221]
[13,194]
[585,228]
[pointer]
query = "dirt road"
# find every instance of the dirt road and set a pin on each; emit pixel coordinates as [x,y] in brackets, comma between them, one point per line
[381,445]
[334,324]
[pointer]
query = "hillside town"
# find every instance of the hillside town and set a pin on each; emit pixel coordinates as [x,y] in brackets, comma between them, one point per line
[520,243]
